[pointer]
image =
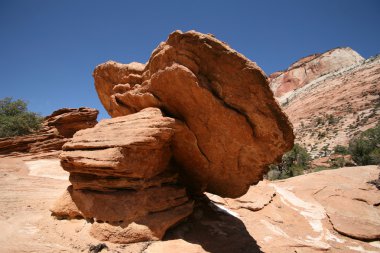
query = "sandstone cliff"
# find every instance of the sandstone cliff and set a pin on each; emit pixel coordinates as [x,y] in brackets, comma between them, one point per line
[329,97]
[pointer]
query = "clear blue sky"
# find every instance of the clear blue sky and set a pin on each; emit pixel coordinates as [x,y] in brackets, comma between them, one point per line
[49,48]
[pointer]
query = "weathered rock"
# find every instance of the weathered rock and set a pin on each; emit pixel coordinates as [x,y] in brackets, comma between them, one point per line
[331,211]
[231,125]
[311,67]
[56,130]
[122,145]
[147,228]
[123,179]
[330,98]
[255,199]
[178,245]
[68,121]
[64,206]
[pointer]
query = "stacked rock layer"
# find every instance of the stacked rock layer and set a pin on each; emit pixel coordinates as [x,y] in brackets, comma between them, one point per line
[122,178]
[222,127]
[232,126]
[57,129]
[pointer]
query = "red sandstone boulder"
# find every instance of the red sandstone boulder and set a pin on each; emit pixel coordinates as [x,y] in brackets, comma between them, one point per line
[122,178]
[232,127]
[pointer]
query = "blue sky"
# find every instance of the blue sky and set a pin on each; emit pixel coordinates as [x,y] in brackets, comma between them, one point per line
[49,48]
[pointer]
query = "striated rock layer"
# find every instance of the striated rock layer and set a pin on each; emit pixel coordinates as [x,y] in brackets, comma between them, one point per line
[198,115]
[230,125]
[122,178]
[312,67]
[339,98]
[57,129]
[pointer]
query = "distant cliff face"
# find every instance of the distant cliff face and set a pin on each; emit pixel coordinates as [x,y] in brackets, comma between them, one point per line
[311,67]
[329,97]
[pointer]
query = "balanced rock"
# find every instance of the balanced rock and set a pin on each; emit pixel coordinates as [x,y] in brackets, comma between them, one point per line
[123,179]
[230,126]
[56,130]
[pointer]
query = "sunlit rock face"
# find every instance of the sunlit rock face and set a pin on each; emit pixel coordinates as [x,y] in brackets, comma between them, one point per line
[197,117]
[231,126]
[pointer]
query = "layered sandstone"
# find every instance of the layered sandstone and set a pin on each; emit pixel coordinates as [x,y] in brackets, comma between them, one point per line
[123,179]
[56,130]
[198,115]
[329,109]
[230,125]
[312,67]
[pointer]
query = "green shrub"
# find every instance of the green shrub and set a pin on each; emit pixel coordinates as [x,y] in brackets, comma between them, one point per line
[15,119]
[320,168]
[365,148]
[337,162]
[293,164]
[342,150]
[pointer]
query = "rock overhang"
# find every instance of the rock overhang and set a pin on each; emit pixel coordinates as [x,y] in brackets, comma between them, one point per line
[231,126]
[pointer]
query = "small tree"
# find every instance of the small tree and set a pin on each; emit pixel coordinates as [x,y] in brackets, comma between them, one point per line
[293,164]
[15,119]
[365,148]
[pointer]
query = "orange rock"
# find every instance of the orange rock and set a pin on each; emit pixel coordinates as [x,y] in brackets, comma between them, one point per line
[122,178]
[232,126]
[56,130]
[68,121]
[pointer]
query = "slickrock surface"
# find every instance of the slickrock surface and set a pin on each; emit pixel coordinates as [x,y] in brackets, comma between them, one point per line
[300,214]
[122,179]
[57,129]
[331,107]
[230,126]
[329,211]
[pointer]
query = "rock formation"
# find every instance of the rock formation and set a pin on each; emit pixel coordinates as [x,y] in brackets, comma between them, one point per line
[198,115]
[56,130]
[336,97]
[329,211]
[121,178]
[312,67]
[231,125]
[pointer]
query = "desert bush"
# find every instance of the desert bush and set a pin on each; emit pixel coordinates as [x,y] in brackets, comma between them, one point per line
[293,164]
[15,119]
[342,150]
[332,120]
[337,162]
[365,147]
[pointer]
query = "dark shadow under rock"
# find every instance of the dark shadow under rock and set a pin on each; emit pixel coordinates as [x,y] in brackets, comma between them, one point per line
[216,231]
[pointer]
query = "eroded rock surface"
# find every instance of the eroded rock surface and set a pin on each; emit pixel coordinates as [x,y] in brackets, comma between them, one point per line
[231,126]
[123,179]
[330,98]
[56,131]
[330,211]
[311,67]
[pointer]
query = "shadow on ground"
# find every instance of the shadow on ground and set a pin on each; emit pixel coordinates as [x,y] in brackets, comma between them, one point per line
[215,231]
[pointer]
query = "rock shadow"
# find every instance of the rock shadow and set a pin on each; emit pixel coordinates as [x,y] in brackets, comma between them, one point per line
[214,230]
